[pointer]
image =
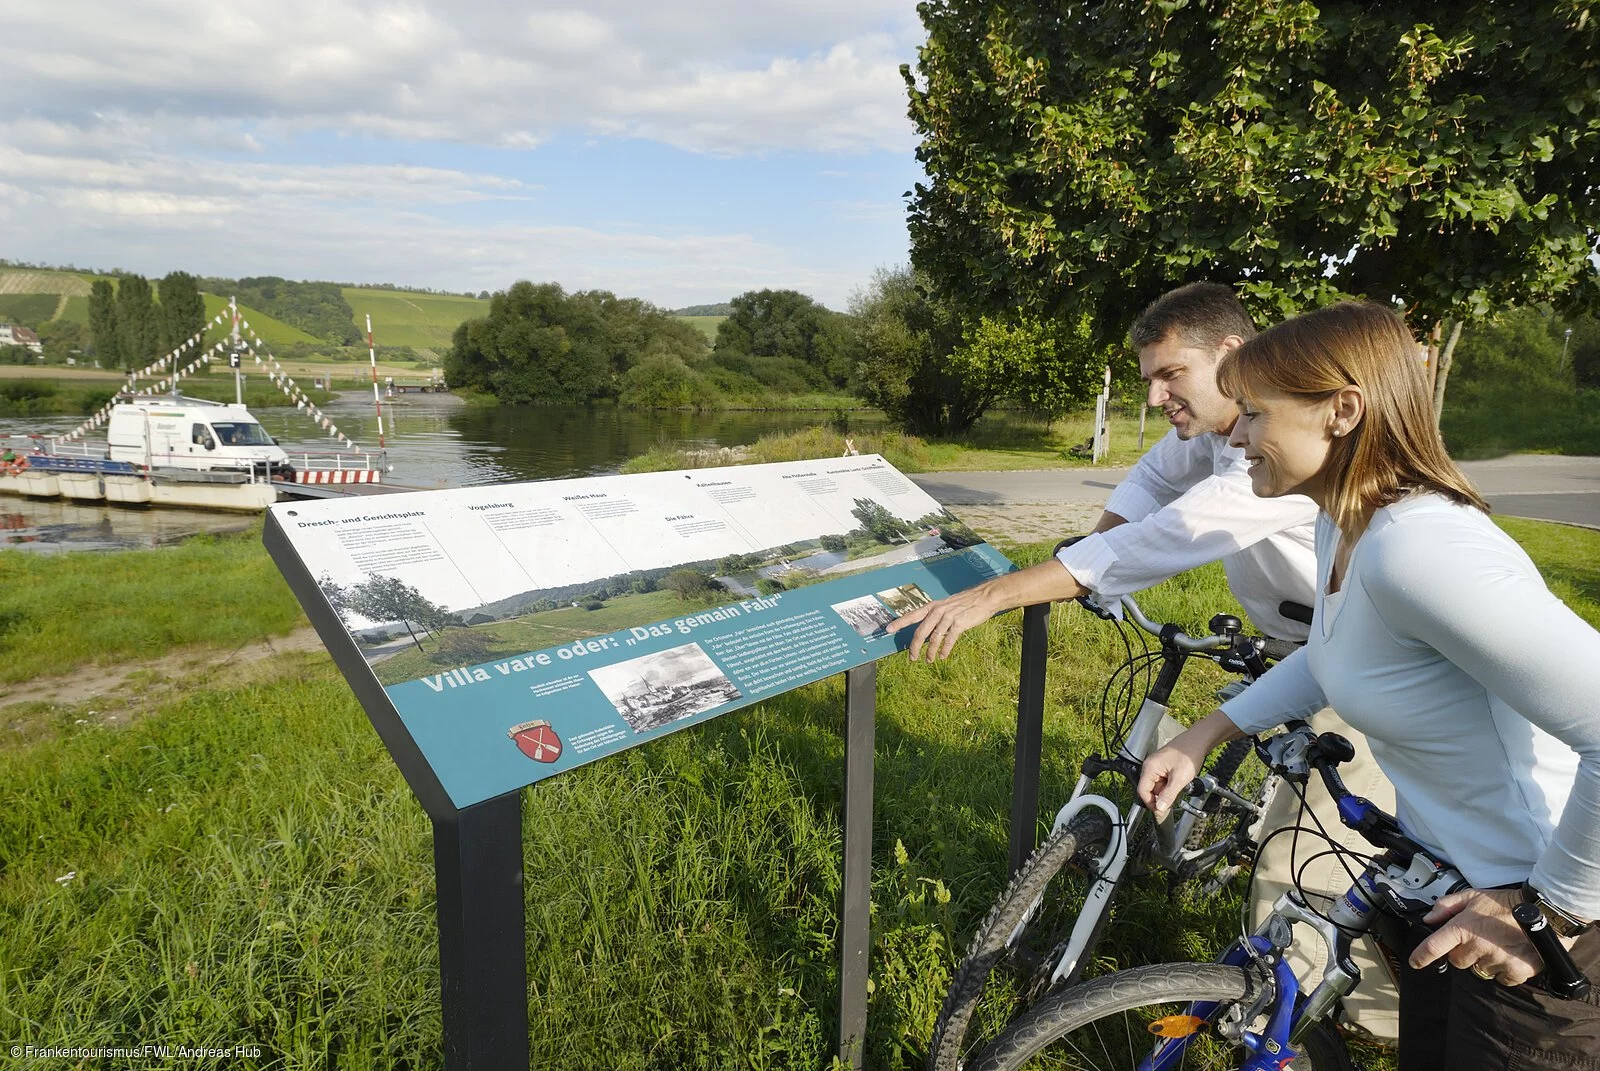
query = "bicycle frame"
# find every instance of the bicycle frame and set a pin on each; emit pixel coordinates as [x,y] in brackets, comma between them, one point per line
[1415,883]
[1151,728]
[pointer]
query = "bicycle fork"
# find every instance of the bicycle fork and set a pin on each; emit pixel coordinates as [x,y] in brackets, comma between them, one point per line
[1153,727]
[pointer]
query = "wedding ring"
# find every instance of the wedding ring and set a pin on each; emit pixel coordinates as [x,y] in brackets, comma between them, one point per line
[1487,976]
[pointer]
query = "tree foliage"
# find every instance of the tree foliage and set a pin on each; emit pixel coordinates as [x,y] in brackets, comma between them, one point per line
[689,584]
[103,321]
[540,344]
[1084,157]
[878,522]
[788,324]
[382,599]
[182,311]
[137,328]
[936,375]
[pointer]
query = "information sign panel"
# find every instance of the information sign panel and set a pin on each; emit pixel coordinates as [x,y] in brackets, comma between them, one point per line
[519,630]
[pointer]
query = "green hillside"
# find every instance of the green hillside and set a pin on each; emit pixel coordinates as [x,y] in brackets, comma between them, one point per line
[29,310]
[706,324]
[275,333]
[38,281]
[405,318]
[76,310]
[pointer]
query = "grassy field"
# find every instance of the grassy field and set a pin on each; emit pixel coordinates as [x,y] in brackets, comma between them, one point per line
[60,373]
[707,325]
[241,863]
[1492,421]
[29,310]
[76,310]
[403,318]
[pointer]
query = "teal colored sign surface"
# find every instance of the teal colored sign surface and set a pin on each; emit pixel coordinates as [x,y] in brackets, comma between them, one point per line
[522,630]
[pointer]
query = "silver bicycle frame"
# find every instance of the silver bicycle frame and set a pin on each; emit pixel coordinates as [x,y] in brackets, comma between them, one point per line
[1152,728]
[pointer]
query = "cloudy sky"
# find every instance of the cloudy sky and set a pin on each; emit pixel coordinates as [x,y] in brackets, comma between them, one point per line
[681,152]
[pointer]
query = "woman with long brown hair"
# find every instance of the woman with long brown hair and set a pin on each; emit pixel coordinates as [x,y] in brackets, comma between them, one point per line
[1434,634]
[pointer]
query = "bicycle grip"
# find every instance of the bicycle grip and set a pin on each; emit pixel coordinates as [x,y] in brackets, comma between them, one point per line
[1278,650]
[1561,976]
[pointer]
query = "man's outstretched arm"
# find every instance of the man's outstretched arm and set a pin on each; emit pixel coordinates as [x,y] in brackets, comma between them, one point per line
[941,623]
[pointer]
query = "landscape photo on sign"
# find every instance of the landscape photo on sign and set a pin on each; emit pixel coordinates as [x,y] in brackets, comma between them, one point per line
[905,598]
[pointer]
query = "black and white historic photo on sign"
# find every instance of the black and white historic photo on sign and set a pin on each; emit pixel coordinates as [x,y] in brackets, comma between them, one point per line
[659,688]
[866,615]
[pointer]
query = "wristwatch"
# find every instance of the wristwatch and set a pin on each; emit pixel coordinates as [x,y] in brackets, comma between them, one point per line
[1563,924]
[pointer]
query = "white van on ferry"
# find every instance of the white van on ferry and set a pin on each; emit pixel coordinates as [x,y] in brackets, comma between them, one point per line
[163,431]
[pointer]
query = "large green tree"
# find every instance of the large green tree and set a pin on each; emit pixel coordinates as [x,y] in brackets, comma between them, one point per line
[540,344]
[788,324]
[182,311]
[138,329]
[1083,157]
[103,322]
[935,374]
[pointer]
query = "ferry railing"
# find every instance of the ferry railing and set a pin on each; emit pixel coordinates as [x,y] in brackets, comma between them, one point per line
[358,462]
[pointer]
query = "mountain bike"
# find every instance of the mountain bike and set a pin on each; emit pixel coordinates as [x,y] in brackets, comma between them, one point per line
[1247,1011]
[1050,917]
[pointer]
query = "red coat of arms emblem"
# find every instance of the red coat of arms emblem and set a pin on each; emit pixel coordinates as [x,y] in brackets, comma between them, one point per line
[536,740]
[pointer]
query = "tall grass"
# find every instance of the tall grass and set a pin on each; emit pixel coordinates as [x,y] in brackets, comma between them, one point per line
[247,865]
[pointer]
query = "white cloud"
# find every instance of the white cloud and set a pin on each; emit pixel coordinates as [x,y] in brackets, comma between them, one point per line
[716,76]
[359,224]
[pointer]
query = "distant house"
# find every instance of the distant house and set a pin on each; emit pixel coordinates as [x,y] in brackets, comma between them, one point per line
[14,335]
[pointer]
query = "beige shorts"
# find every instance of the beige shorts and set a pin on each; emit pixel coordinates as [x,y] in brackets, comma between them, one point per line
[1374,1005]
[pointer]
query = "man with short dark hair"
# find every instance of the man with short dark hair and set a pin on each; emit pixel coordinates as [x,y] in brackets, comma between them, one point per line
[1186,503]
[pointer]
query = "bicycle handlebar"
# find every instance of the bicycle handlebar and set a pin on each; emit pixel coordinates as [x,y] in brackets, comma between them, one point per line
[1324,753]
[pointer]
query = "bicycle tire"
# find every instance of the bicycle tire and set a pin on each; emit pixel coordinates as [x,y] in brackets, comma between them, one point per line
[1230,758]
[1089,831]
[1162,990]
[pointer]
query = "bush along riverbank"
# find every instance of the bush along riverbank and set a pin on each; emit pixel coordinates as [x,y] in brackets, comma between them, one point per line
[249,851]
[1000,442]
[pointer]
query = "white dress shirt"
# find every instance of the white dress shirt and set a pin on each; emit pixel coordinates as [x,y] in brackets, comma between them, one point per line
[1189,503]
[1477,689]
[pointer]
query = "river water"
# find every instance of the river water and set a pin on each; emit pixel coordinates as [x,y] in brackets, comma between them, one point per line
[432,440]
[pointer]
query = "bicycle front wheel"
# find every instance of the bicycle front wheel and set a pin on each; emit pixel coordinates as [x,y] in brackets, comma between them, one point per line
[1118,1020]
[1025,925]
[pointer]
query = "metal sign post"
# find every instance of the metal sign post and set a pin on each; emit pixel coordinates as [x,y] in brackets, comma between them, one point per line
[1030,734]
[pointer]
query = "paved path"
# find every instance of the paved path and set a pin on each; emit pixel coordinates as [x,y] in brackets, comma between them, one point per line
[1565,489]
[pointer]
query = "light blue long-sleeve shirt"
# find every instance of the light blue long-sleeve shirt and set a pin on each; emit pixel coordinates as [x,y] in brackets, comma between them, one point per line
[1478,689]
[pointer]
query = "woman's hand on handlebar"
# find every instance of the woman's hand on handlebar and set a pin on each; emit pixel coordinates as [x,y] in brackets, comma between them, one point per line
[1477,933]
[1168,771]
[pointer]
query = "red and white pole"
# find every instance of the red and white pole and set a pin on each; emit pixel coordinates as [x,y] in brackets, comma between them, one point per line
[377,399]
